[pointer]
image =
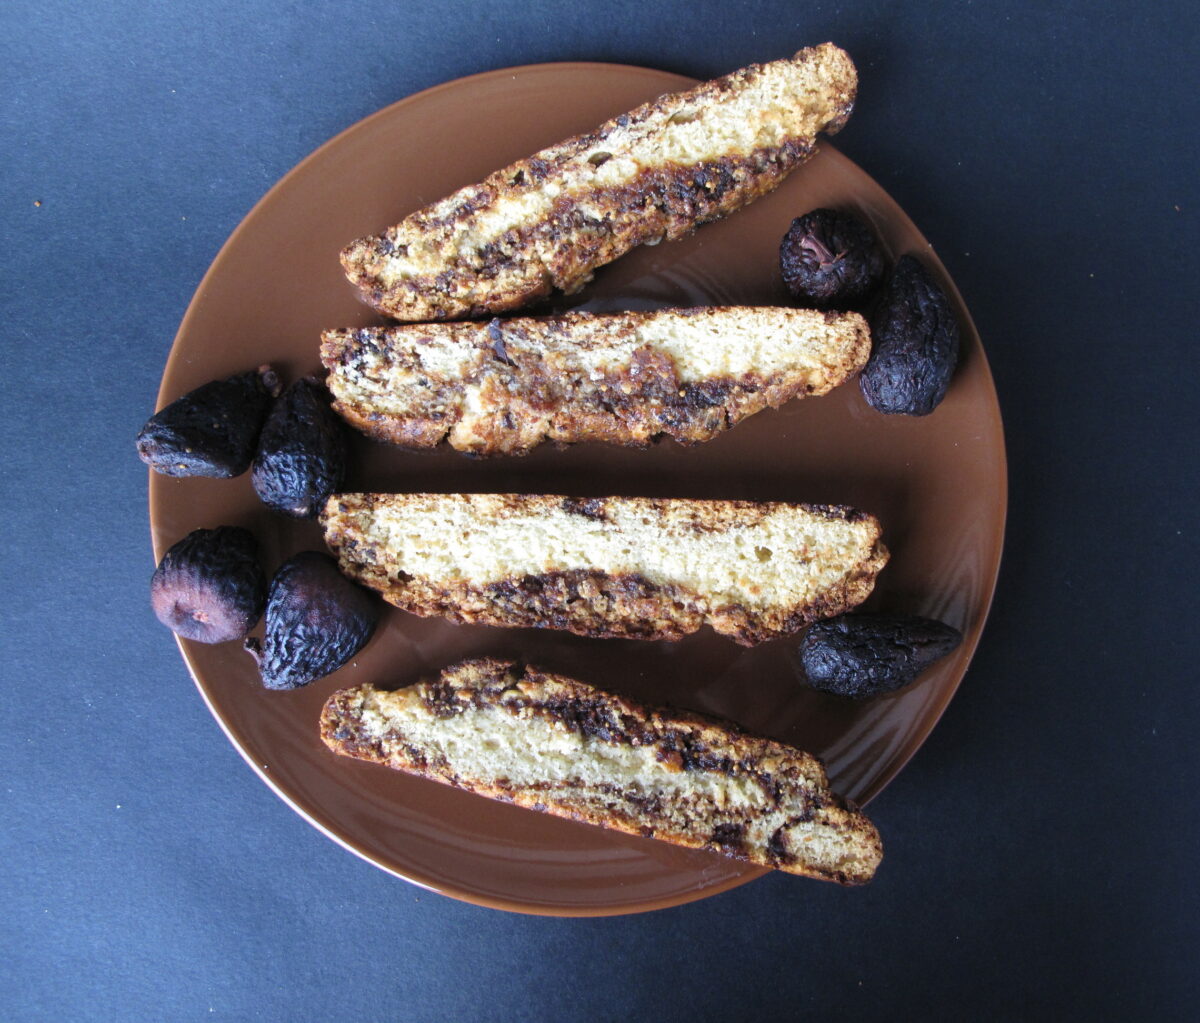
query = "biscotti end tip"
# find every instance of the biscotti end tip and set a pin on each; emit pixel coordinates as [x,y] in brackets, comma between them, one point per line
[353,257]
[842,76]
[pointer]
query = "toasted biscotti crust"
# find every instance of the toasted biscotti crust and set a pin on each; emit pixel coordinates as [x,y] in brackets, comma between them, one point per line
[622,378]
[636,568]
[656,172]
[554,744]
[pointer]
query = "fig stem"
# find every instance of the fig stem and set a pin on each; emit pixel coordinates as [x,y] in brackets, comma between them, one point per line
[254,649]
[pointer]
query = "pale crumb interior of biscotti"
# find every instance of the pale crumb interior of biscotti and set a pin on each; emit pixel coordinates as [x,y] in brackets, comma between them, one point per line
[783,100]
[562,767]
[494,743]
[767,342]
[405,366]
[788,557]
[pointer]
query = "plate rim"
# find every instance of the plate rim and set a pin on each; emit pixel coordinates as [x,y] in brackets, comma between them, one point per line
[166,391]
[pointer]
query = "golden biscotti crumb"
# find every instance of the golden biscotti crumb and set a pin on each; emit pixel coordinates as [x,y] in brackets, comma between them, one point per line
[637,568]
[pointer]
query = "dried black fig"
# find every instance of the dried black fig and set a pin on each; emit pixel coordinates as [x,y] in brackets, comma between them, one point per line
[915,338]
[210,587]
[862,655]
[301,456]
[317,619]
[830,259]
[211,431]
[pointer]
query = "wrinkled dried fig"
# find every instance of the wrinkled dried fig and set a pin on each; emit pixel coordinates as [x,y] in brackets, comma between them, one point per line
[862,655]
[211,431]
[209,586]
[301,456]
[915,344]
[830,259]
[317,619]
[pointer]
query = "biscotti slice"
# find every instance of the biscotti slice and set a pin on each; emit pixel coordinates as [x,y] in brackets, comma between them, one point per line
[656,172]
[624,378]
[638,568]
[550,743]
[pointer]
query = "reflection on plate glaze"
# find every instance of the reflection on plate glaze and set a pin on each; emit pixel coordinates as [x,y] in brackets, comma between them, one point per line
[668,285]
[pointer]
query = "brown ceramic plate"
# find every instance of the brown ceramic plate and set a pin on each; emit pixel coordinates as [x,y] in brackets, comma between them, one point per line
[938,484]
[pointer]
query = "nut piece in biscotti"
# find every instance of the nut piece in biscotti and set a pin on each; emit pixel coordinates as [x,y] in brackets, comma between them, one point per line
[624,378]
[656,172]
[636,568]
[550,743]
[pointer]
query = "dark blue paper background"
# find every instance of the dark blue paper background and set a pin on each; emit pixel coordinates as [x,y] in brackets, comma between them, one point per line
[1042,847]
